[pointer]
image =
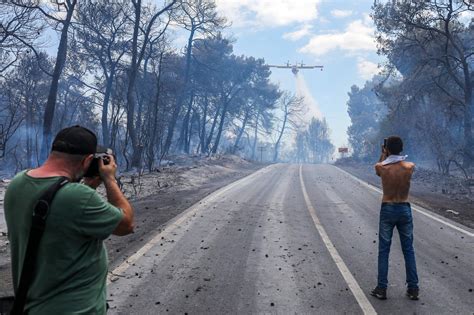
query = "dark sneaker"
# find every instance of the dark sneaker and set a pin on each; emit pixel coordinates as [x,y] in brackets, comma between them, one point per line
[412,293]
[379,293]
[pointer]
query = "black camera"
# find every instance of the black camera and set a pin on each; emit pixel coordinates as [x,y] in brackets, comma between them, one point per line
[101,154]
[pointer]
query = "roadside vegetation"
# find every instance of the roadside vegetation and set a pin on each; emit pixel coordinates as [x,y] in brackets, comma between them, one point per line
[424,92]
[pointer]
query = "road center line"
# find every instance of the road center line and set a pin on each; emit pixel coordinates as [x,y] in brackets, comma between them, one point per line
[359,295]
[176,222]
[414,207]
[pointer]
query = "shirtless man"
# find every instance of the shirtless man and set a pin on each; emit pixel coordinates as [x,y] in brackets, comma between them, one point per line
[395,212]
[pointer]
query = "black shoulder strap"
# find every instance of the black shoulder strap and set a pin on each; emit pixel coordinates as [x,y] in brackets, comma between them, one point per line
[38,223]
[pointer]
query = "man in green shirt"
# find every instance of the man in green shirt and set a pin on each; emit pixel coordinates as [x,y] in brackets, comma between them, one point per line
[71,269]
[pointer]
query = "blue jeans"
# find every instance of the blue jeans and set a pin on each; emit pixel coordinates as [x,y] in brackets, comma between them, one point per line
[396,215]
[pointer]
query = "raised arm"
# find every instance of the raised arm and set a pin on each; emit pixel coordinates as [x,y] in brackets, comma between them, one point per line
[379,165]
[116,197]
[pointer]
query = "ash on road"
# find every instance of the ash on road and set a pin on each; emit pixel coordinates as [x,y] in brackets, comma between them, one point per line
[252,247]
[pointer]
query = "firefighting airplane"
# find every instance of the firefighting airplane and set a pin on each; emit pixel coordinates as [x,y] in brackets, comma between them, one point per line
[295,68]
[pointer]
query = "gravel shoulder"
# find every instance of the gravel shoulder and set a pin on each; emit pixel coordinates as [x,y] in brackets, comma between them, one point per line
[445,196]
[157,197]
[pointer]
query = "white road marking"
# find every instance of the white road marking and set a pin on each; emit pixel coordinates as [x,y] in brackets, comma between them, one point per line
[176,222]
[414,207]
[359,295]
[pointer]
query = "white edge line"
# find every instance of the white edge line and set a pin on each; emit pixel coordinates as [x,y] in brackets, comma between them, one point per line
[359,295]
[174,223]
[414,207]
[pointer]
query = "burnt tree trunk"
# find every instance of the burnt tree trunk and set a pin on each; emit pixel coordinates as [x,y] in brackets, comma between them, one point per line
[185,129]
[254,147]
[105,107]
[132,76]
[241,131]
[185,125]
[277,144]
[221,127]
[468,108]
[203,127]
[154,127]
[211,132]
[53,90]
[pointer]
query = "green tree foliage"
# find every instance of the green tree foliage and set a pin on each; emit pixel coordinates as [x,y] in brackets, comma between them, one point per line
[430,52]
[366,111]
[319,144]
[313,144]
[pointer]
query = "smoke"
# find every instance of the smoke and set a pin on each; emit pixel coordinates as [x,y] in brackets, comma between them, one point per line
[312,107]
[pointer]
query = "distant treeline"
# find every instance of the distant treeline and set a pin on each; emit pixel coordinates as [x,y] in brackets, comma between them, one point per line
[425,91]
[117,71]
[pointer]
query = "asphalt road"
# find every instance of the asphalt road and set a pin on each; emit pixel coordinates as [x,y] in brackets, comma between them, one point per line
[290,239]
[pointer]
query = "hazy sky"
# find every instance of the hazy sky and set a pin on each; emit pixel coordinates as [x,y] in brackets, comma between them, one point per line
[338,34]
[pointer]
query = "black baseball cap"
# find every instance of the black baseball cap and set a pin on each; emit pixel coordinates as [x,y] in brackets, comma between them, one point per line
[75,140]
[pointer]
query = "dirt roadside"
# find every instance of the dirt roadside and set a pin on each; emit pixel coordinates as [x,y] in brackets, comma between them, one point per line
[427,191]
[157,198]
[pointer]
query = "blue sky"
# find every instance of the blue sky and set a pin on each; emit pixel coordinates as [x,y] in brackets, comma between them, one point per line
[334,33]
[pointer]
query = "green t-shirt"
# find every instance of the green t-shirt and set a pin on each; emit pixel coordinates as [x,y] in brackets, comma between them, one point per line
[71,270]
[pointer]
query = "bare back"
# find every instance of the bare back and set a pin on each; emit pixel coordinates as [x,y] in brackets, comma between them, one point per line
[395,180]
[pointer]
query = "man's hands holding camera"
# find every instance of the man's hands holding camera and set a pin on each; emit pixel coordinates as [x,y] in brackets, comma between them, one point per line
[107,171]
[107,168]
[385,152]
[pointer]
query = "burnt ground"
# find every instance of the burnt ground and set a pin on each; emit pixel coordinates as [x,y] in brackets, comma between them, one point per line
[447,196]
[157,197]
[254,249]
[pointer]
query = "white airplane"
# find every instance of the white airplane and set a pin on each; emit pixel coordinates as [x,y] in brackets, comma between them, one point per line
[295,68]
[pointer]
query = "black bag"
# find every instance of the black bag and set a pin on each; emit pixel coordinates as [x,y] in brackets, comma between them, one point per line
[6,304]
[15,305]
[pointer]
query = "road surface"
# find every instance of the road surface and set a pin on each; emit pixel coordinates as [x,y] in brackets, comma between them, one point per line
[292,239]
